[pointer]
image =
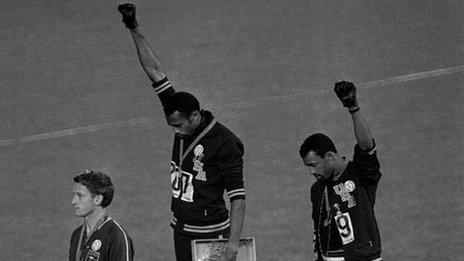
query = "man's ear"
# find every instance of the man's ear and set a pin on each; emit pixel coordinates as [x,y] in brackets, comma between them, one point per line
[97,200]
[195,116]
[330,155]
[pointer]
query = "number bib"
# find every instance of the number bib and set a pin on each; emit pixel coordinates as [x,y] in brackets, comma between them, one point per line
[181,184]
[344,226]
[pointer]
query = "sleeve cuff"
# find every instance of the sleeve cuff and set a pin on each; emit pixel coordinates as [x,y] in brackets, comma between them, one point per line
[236,194]
[162,85]
[370,151]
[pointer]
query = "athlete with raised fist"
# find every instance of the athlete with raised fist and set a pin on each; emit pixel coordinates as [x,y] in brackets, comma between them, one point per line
[206,161]
[343,196]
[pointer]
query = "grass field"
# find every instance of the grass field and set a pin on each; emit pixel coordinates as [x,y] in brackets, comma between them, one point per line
[74,97]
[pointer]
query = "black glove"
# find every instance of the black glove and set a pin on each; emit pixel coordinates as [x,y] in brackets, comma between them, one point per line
[128,15]
[346,92]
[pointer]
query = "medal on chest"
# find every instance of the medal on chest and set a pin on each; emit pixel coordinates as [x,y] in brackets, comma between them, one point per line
[197,164]
[93,254]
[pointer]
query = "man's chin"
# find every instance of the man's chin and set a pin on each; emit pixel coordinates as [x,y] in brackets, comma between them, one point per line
[78,214]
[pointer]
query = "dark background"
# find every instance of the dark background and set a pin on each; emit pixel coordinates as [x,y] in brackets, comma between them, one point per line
[74,97]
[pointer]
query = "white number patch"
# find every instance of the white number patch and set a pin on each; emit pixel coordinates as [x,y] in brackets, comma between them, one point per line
[181,184]
[345,228]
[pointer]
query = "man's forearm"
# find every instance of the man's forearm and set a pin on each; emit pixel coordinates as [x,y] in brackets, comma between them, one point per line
[362,131]
[237,216]
[150,63]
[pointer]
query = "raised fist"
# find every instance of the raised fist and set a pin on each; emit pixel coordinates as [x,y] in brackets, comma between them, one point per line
[128,15]
[346,92]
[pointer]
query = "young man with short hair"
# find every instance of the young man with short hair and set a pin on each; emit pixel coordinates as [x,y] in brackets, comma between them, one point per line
[206,160]
[343,197]
[100,238]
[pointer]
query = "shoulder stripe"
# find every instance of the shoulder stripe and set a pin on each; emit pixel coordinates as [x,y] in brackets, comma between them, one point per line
[125,239]
[108,219]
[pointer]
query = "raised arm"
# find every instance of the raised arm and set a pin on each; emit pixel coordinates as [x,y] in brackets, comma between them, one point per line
[150,63]
[346,92]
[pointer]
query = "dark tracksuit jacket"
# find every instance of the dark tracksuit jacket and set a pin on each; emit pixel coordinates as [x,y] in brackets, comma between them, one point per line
[109,242]
[343,211]
[202,167]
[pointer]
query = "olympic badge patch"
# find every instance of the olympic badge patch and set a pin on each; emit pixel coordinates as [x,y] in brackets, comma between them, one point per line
[96,245]
[349,186]
[198,150]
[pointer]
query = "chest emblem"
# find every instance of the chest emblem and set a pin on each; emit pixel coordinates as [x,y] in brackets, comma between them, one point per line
[197,164]
[349,186]
[344,190]
[96,245]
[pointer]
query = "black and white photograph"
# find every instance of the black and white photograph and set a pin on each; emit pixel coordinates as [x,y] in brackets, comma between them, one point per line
[300,130]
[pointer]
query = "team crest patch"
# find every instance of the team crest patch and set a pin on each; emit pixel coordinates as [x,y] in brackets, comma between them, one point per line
[349,185]
[343,190]
[96,245]
[197,164]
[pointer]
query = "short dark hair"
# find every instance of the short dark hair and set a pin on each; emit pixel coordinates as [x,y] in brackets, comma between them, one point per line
[183,102]
[97,183]
[319,143]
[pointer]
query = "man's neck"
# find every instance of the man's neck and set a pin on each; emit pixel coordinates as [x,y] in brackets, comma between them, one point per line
[340,168]
[92,220]
[199,127]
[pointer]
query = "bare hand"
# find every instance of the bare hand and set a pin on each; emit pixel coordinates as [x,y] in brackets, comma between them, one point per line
[229,255]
